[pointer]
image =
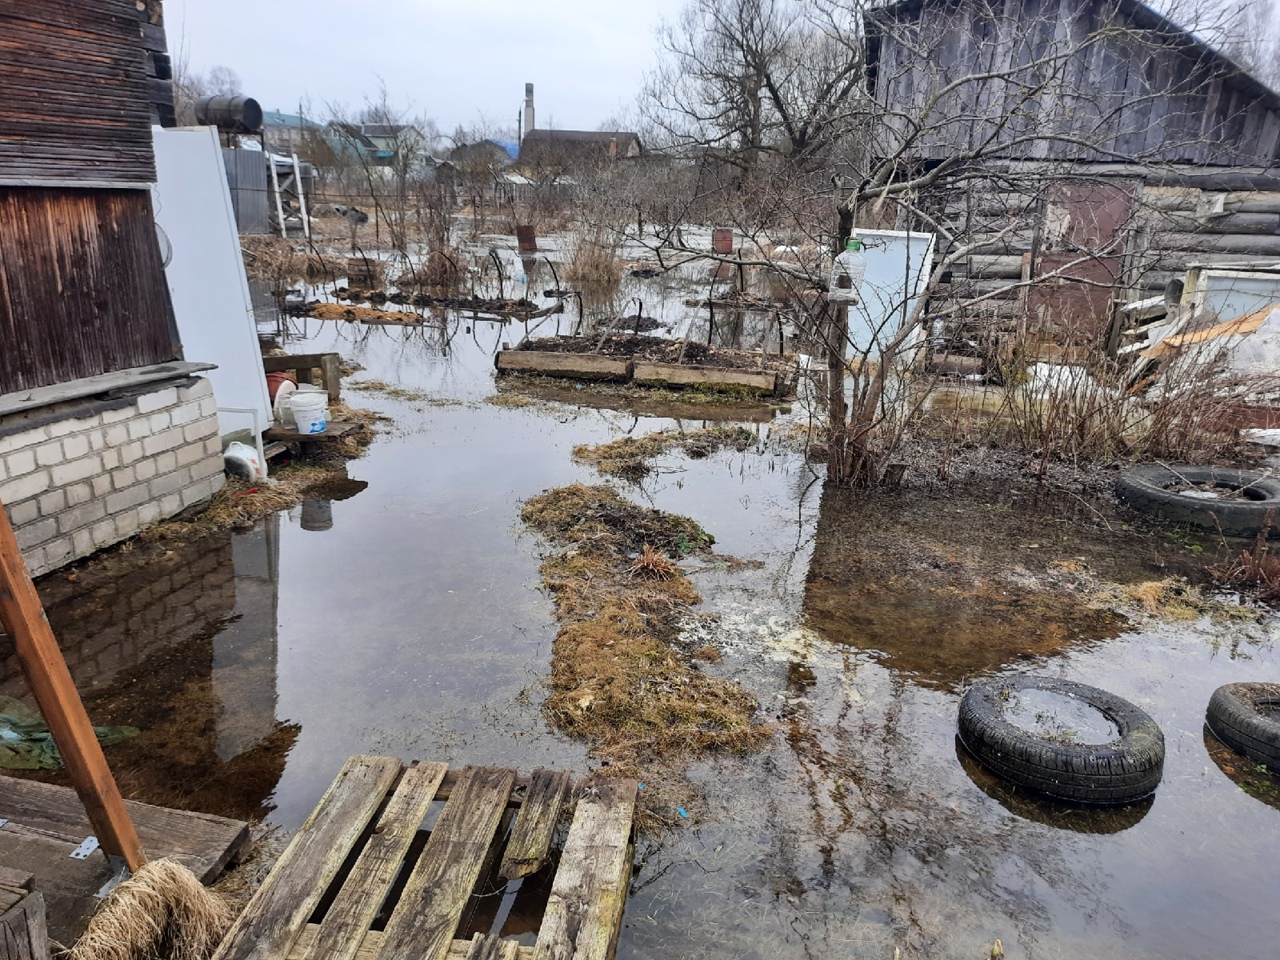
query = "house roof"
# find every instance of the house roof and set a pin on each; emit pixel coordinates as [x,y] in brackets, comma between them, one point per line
[276,118]
[385,129]
[1143,17]
[582,136]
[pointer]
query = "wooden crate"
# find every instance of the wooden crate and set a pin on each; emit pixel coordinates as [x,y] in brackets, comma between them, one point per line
[363,879]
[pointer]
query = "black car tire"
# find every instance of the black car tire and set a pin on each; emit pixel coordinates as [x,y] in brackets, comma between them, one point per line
[1246,717]
[1126,769]
[1153,489]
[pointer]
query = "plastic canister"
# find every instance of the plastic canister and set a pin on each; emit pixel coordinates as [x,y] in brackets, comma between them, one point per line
[309,411]
[847,274]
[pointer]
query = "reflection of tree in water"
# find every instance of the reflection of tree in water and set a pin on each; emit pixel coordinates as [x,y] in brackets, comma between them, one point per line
[892,844]
[924,584]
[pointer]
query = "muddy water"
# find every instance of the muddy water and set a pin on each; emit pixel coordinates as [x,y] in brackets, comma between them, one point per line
[413,625]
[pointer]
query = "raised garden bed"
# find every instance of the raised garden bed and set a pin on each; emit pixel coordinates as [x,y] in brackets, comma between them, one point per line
[652,361]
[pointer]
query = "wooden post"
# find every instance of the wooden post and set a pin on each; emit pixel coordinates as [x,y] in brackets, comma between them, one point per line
[23,618]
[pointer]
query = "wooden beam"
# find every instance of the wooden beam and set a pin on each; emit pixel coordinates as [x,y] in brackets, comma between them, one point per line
[580,366]
[352,913]
[23,618]
[425,920]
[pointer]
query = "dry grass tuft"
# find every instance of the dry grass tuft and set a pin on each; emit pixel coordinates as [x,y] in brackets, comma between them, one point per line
[1171,598]
[1257,570]
[627,456]
[161,913]
[595,258]
[617,677]
[276,259]
[654,565]
[356,314]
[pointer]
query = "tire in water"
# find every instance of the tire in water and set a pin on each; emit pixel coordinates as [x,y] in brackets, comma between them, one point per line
[1246,717]
[1122,770]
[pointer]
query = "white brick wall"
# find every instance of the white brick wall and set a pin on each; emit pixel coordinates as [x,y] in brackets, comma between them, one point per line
[86,481]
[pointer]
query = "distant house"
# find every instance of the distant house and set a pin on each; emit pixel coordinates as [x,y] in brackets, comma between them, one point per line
[487,154]
[287,133]
[567,149]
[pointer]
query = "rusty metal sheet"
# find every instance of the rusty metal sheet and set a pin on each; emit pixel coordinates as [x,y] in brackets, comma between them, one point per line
[1076,303]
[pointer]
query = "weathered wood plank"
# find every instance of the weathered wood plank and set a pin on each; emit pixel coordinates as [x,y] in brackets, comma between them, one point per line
[490,947]
[582,366]
[426,918]
[589,892]
[279,910]
[372,946]
[711,377]
[334,429]
[202,841]
[23,934]
[348,919]
[536,825]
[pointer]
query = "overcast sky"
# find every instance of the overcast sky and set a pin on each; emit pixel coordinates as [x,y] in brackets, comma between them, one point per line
[452,60]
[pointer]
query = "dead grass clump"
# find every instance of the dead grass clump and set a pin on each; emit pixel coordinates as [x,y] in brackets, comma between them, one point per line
[627,456]
[596,516]
[161,912]
[511,400]
[594,261]
[1170,598]
[381,386]
[653,565]
[353,314]
[618,678]
[279,261]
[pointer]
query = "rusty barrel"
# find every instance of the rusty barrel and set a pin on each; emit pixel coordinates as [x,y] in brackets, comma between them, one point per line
[527,239]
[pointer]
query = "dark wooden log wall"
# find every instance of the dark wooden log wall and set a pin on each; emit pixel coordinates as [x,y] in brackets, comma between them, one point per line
[1138,90]
[82,287]
[74,100]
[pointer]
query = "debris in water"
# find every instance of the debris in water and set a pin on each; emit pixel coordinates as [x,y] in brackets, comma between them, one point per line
[27,744]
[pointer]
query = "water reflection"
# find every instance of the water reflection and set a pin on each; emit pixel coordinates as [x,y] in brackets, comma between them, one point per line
[1065,816]
[184,644]
[1251,777]
[929,588]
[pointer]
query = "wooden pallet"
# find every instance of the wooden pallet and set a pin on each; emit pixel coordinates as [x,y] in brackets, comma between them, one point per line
[355,884]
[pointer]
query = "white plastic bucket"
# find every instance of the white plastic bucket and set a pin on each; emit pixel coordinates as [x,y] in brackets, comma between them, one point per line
[309,411]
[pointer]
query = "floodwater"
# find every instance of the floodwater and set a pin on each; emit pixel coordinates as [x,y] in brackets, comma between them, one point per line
[414,625]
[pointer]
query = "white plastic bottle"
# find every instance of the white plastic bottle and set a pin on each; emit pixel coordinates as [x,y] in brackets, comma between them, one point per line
[847,274]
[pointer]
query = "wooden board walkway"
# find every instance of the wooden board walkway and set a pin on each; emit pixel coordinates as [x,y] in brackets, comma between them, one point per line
[364,880]
[44,823]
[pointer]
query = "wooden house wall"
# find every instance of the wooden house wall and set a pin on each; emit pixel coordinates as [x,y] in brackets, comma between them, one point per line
[1121,88]
[74,93]
[82,286]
